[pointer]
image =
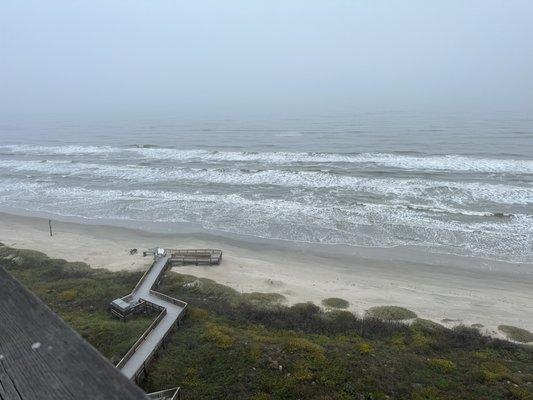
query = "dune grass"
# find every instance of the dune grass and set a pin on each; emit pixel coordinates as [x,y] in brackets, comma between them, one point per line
[518,334]
[264,299]
[391,313]
[420,323]
[335,302]
[230,346]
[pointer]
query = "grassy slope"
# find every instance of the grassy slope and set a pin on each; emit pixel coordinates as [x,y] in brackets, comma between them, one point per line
[249,347]
[80,295]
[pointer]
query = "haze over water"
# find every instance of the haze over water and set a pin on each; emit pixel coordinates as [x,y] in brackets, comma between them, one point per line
[449,183]
[179,84]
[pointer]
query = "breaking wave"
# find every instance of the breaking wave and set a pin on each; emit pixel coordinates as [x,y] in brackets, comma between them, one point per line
[459,192]
[386,225]
[453,163]
[464,203]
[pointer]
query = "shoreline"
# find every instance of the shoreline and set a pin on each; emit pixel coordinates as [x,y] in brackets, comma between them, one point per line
[436,287]
[411,254]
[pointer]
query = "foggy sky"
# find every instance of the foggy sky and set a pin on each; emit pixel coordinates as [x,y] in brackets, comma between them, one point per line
[68,58]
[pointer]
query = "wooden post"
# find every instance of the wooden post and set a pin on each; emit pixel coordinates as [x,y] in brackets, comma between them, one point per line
[50,226]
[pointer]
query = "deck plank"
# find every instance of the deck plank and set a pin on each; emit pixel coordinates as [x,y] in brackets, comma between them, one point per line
[42,358]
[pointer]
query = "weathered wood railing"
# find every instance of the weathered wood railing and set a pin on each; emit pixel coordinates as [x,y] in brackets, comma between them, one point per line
[141,339]
[195,256]
[168,298]
[177,309]
[141,370]
[143,278]
[171,394]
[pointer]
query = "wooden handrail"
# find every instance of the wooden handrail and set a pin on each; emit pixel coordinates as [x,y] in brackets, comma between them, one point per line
[168,298]
[183,305]
[141,339]
[157,320]
[165,393]
[142,278]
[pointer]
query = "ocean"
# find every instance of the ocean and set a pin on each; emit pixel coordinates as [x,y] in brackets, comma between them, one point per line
[449,183]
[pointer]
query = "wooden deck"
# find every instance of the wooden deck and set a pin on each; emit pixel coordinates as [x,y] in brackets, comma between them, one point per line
[134,364]
[195,256]
[42,358]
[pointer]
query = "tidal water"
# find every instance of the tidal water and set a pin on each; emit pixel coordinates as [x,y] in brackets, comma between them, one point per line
[456,184]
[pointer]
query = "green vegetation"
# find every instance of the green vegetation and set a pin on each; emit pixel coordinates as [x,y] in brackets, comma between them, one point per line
[234,346]
[265,300]
[335,302]
[426,324]
[518,334]
[80,295]
[441,365]
[391,313]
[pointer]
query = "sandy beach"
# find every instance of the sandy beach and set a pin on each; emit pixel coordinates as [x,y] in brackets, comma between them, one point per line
[442,289]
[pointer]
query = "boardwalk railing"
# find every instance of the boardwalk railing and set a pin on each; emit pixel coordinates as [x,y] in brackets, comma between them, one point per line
[139,374]
[195,256]
[168,307]
[143,278]
[170,394]
[141,339]
[142,305]
[170,299]
[141,370]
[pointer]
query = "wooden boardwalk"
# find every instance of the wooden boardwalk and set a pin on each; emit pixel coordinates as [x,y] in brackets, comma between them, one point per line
[195,256]
[134,363]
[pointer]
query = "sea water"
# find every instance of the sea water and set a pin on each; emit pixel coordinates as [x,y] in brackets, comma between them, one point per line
[449,183]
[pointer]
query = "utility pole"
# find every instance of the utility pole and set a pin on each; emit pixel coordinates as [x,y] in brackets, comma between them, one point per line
[50,226]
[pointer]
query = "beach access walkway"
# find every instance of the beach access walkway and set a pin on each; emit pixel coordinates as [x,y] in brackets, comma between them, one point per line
[145,297]
[171,311]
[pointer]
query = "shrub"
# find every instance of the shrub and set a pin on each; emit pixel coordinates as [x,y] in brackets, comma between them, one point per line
[255,352]
[485,354]
[428,393]
[23,258]
[263,299]
[298,344]
[301,371]
[442,383]
[197,313]
[427,325]
[376,396]
[441,365]
[260,396]
[220,335]
[391,313]
[68,295]
[398,340]
[463,337]
[365,348]
[494,371]
[335,302]
[191,377]
[420,341]
[305,310]
[521,393]
[517,334]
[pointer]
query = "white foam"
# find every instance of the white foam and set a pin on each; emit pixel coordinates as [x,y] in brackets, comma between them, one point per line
[324,221]
[456,163]
[434,190]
